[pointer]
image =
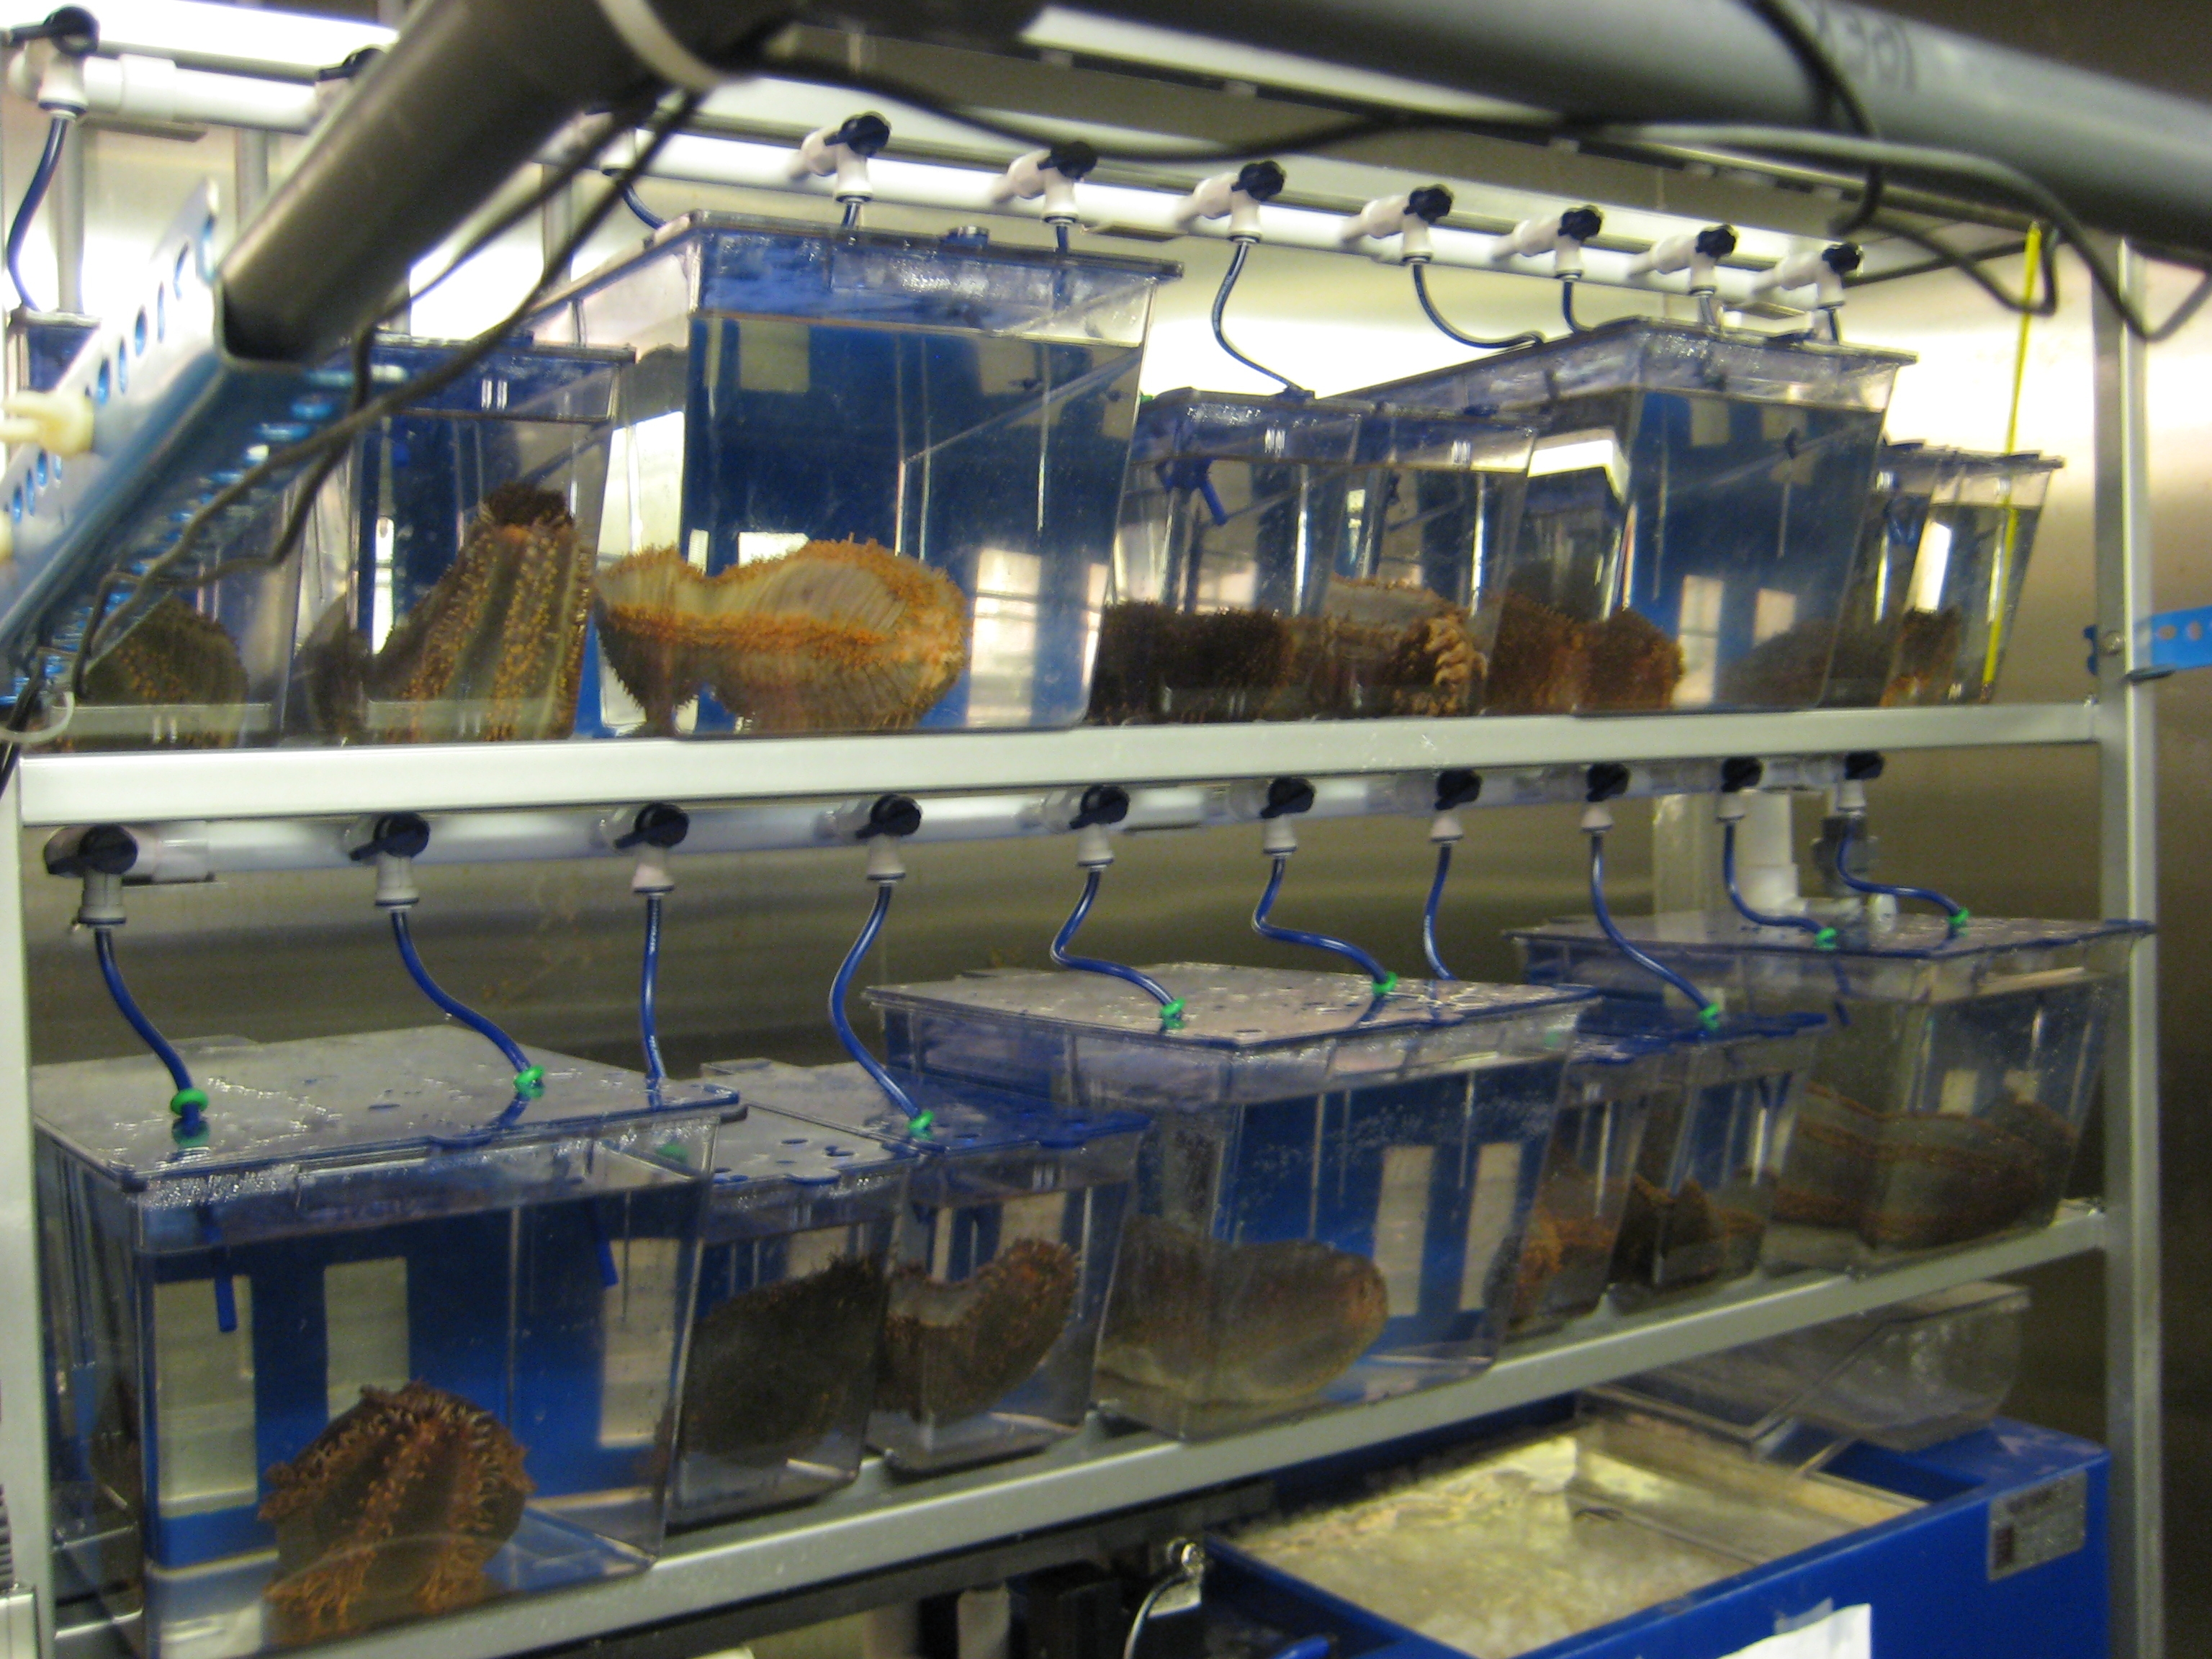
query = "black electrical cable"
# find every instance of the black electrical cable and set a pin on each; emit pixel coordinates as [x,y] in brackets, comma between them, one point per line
[1812,52]
[1420,270]
[1969,265]
[1221,334]
[333,439]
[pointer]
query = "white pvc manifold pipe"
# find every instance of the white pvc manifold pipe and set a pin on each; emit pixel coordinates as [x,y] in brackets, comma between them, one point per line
[752,164]
[135,88]
[199,850]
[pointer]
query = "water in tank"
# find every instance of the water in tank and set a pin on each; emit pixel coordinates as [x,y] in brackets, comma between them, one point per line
[366,1355]
[1293,559]
[1000,1261]
[862,481]
[793,1274]
[1335,1185]
[1692,510]
[1942,555]
[1951,1090]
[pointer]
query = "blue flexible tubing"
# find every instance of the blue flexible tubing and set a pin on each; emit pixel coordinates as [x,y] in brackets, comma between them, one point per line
[1823,935]
[648,1023]
[1170,1006]
[529,1080]
[1383,980]
[842,985]
[1709,1013]
[41,177]
[1429,914]
[646,215]
[1956,915]
[1290,387]
[189,1102]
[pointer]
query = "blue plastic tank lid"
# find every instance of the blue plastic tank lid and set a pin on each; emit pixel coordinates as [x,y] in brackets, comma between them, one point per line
[965,1117]
[1914,935]
[401,1093]
[777,1149]
[1225,1007]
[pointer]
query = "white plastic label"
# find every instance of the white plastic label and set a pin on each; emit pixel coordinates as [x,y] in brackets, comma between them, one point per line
[1846,1633]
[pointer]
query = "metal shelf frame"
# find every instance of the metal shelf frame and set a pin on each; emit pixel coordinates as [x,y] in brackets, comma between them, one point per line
[880,1523]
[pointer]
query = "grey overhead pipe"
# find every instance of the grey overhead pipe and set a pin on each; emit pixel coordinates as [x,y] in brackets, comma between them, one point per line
[469,92]
[2126,159]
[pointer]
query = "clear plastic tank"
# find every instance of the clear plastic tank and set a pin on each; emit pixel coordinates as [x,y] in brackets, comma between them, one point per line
[793,1274]
[1942,555]
[1334,1186]
[1291,560]
[1693,509]
[1001,1261]
[1906,1376]
[1949,1095]
[1614,1084]
[1702,1195]
[863,482]
[364,1356]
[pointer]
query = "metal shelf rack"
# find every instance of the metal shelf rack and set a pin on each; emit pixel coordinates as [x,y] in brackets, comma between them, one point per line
[879,1523]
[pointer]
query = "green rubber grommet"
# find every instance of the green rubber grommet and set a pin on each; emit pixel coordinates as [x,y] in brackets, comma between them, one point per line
[1825,939]
[530,1083]
[1171,1015]
[1385,985]
[1959,920]
[920,1125]
[185,1137]
[1709,1016]
[186,1100]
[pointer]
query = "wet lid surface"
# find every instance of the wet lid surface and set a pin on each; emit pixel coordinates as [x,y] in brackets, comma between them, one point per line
[965,1117]
[1912,935]
[1231,1008]
[774,1148]
[405,1092]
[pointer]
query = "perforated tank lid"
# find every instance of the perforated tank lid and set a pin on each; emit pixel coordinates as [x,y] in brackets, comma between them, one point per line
[515,380]
[1232,1008]
[1655,354]
[1913,935]
[774,1148]
[965,1118]
[786,268]
[401,1093]
[1324,431]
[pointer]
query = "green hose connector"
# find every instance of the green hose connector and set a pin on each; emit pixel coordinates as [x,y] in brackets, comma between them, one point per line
[1709,1016]
[530,1083]
[186,1101]
[1959,918]
[1385,985]
[918,1126]
[1825,939]
[1171,1015]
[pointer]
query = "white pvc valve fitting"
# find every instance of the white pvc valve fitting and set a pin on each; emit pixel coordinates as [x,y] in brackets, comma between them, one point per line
[884,864]
[1031,177]
[1730,806]
[1219,197]
[1387,216]
[1698,251]
[821,156]
[60,422]
[1597,818]
[1850,797]
[1821,270]
[1555,235]
[652,875]
[1093,849]
[102,903]
[1278,837]
[395,883]
[52,80]
[1446,831]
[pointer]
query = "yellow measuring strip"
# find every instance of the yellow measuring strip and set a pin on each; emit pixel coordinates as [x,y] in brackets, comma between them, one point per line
[2000,583]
